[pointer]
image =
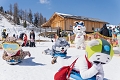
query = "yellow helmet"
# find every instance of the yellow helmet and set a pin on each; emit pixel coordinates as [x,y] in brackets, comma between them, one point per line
[99,50]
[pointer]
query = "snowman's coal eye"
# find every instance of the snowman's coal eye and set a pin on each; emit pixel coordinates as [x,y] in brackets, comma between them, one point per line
[97,55]
[98,58]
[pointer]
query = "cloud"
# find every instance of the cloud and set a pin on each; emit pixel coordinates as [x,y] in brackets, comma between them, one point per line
[44,1]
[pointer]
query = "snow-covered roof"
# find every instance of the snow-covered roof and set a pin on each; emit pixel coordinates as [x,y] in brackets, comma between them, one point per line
[79,17]
[63,14]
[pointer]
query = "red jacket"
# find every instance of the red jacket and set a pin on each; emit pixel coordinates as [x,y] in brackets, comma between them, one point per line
[25,39]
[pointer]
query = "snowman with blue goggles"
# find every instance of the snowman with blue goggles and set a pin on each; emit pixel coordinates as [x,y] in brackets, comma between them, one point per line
[13,52]
[79,30]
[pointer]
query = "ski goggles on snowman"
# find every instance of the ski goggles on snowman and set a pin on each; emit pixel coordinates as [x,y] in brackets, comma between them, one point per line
[10,46]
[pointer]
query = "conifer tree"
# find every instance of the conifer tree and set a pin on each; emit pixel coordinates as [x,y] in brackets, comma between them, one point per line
[25,24]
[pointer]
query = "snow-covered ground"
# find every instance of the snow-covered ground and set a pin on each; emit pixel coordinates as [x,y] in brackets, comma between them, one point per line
[39,67]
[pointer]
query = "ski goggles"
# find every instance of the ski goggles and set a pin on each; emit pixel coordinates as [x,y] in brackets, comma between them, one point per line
[10,46]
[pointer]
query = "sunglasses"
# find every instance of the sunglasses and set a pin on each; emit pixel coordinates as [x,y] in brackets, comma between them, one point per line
[11,46]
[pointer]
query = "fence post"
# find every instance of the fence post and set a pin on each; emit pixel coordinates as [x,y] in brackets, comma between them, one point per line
[69,38]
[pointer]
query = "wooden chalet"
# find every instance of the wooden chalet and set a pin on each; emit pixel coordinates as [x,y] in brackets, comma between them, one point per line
[66,22]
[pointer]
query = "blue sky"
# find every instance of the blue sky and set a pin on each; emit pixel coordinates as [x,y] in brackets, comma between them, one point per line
[106,10]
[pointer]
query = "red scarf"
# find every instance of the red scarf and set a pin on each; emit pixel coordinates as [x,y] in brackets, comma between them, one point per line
[18,53]
[88,62]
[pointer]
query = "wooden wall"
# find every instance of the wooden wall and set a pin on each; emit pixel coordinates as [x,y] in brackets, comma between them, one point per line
[57,22]
[68,23]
